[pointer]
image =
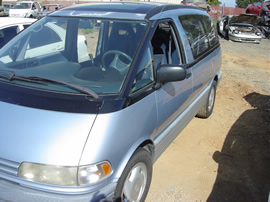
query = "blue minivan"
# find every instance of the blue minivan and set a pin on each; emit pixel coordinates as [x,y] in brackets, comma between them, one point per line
[91,95]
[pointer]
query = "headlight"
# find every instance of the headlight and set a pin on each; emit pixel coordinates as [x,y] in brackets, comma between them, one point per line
[64,175]
[258,34]
[235,31]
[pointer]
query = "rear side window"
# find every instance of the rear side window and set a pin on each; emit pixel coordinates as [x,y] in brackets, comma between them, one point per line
[200,33]
[210,30]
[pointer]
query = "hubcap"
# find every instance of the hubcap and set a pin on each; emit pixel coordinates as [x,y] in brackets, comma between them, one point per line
[211,99]
[135,183]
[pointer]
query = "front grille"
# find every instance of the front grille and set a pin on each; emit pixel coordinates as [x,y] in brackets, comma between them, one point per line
[8,167]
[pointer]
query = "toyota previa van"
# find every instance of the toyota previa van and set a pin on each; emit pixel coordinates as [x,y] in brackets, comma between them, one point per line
[91,128]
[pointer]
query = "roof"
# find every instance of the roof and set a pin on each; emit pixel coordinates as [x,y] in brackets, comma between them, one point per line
[134,10]
[8,21]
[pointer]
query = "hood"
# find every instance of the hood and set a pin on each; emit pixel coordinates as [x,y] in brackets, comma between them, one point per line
[245,18]
[42,136]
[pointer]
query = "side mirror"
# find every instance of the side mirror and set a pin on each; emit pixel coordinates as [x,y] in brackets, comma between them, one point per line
[170,73]
[259,7]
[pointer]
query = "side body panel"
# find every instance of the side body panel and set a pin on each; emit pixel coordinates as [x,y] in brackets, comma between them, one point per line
[115,136]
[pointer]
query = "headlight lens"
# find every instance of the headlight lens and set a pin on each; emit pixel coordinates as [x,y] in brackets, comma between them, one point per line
[235,31]
[63,175]
[258,34]
[93,173]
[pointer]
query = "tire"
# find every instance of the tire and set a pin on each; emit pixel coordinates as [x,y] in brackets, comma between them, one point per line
[207,109]
[135,181]
[227,35]
[218,31]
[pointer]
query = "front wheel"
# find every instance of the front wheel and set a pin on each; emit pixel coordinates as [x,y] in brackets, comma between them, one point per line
[135,181]
[207,109]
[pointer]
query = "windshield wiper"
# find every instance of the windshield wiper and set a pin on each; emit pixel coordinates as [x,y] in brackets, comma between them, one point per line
[11,76]
[41,80]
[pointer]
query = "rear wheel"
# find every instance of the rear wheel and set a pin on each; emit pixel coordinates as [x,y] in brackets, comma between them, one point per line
[135,181]
[207,109]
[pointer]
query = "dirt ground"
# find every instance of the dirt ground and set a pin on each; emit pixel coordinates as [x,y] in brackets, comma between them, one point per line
[227,156]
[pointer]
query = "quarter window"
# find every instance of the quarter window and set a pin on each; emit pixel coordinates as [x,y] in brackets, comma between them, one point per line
[145,74]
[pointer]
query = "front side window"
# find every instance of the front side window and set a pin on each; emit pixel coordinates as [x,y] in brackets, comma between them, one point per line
[91,53]
[165,46]
[162,49]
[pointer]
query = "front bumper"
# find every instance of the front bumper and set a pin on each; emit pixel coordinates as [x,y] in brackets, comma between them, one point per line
[245,38]
[13,192]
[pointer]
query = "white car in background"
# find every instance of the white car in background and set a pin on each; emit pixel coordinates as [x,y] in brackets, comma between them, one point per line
[25,9]
[10,27]
[55,44]
[57,41]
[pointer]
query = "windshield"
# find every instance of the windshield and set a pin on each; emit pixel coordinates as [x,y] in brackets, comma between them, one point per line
[22,5]
[95,54]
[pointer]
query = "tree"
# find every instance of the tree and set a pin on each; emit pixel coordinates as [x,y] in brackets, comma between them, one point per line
[214,2]
[244,3]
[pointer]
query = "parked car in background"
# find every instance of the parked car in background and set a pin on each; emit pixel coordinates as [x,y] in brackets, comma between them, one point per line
[25,9]
[7,6]
[91,130]
[258,7]
[241,28]
[261,9]
[57,43]
[3,12]
[48,8]
[10,27]
[199,3]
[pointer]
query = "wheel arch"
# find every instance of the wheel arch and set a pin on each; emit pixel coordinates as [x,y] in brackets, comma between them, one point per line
[146,144]
[217,78]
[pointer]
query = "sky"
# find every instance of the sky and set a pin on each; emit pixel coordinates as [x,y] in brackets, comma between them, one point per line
[228,3]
